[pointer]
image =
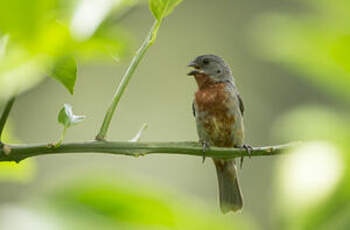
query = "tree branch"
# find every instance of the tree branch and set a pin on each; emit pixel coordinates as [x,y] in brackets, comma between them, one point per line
[5,114]
[21,152]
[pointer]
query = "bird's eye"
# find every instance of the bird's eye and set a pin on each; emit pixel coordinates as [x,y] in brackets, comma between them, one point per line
[218,71]
[205,61]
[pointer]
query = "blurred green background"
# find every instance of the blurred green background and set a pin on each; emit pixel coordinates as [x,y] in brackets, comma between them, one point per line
[292,66]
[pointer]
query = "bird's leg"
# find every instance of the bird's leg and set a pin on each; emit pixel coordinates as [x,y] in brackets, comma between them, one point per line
[205,146]
[248,149]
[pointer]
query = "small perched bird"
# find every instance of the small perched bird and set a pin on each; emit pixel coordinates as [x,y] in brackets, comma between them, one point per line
[218,110]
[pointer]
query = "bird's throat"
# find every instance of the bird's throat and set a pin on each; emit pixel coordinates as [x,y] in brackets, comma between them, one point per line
[204,81]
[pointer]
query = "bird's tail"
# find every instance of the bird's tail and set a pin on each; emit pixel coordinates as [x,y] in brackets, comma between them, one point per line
[229,192]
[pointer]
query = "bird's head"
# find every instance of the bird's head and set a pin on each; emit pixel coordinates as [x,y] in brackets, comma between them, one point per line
[211,66]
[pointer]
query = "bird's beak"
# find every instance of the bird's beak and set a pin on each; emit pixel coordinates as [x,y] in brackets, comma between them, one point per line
[193,64]
[193,73]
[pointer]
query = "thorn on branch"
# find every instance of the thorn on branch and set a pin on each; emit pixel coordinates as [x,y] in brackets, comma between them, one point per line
[139,134]
[139,155]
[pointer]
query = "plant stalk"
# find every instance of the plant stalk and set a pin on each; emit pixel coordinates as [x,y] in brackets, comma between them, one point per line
[126,79]
[20,152]
[5,115]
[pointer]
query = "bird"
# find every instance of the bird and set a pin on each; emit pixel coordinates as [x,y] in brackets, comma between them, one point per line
[218,110]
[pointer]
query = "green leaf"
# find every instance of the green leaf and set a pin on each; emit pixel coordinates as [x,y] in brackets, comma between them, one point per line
[325,134]
[23,19]
[23,172]
[3,45]
[162,8]
[67,118]
[98,203]
[65,71]
[314,44]
[35,35]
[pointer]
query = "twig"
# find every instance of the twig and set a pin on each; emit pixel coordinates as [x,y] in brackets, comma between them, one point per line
[20,152]
[5,115]
[125,80]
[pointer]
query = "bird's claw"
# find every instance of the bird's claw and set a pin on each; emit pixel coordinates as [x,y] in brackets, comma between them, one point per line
[248,149]
[205,146]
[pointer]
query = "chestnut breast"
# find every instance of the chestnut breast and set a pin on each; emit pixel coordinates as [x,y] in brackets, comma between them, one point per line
[216,114]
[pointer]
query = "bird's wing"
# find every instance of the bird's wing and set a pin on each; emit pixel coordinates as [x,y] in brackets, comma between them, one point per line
[240,101]
[241,105]
[193,109]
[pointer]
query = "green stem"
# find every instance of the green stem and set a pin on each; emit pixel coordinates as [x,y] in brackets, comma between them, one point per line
[63,134]
[126,79]
[5,114]
[20,152]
